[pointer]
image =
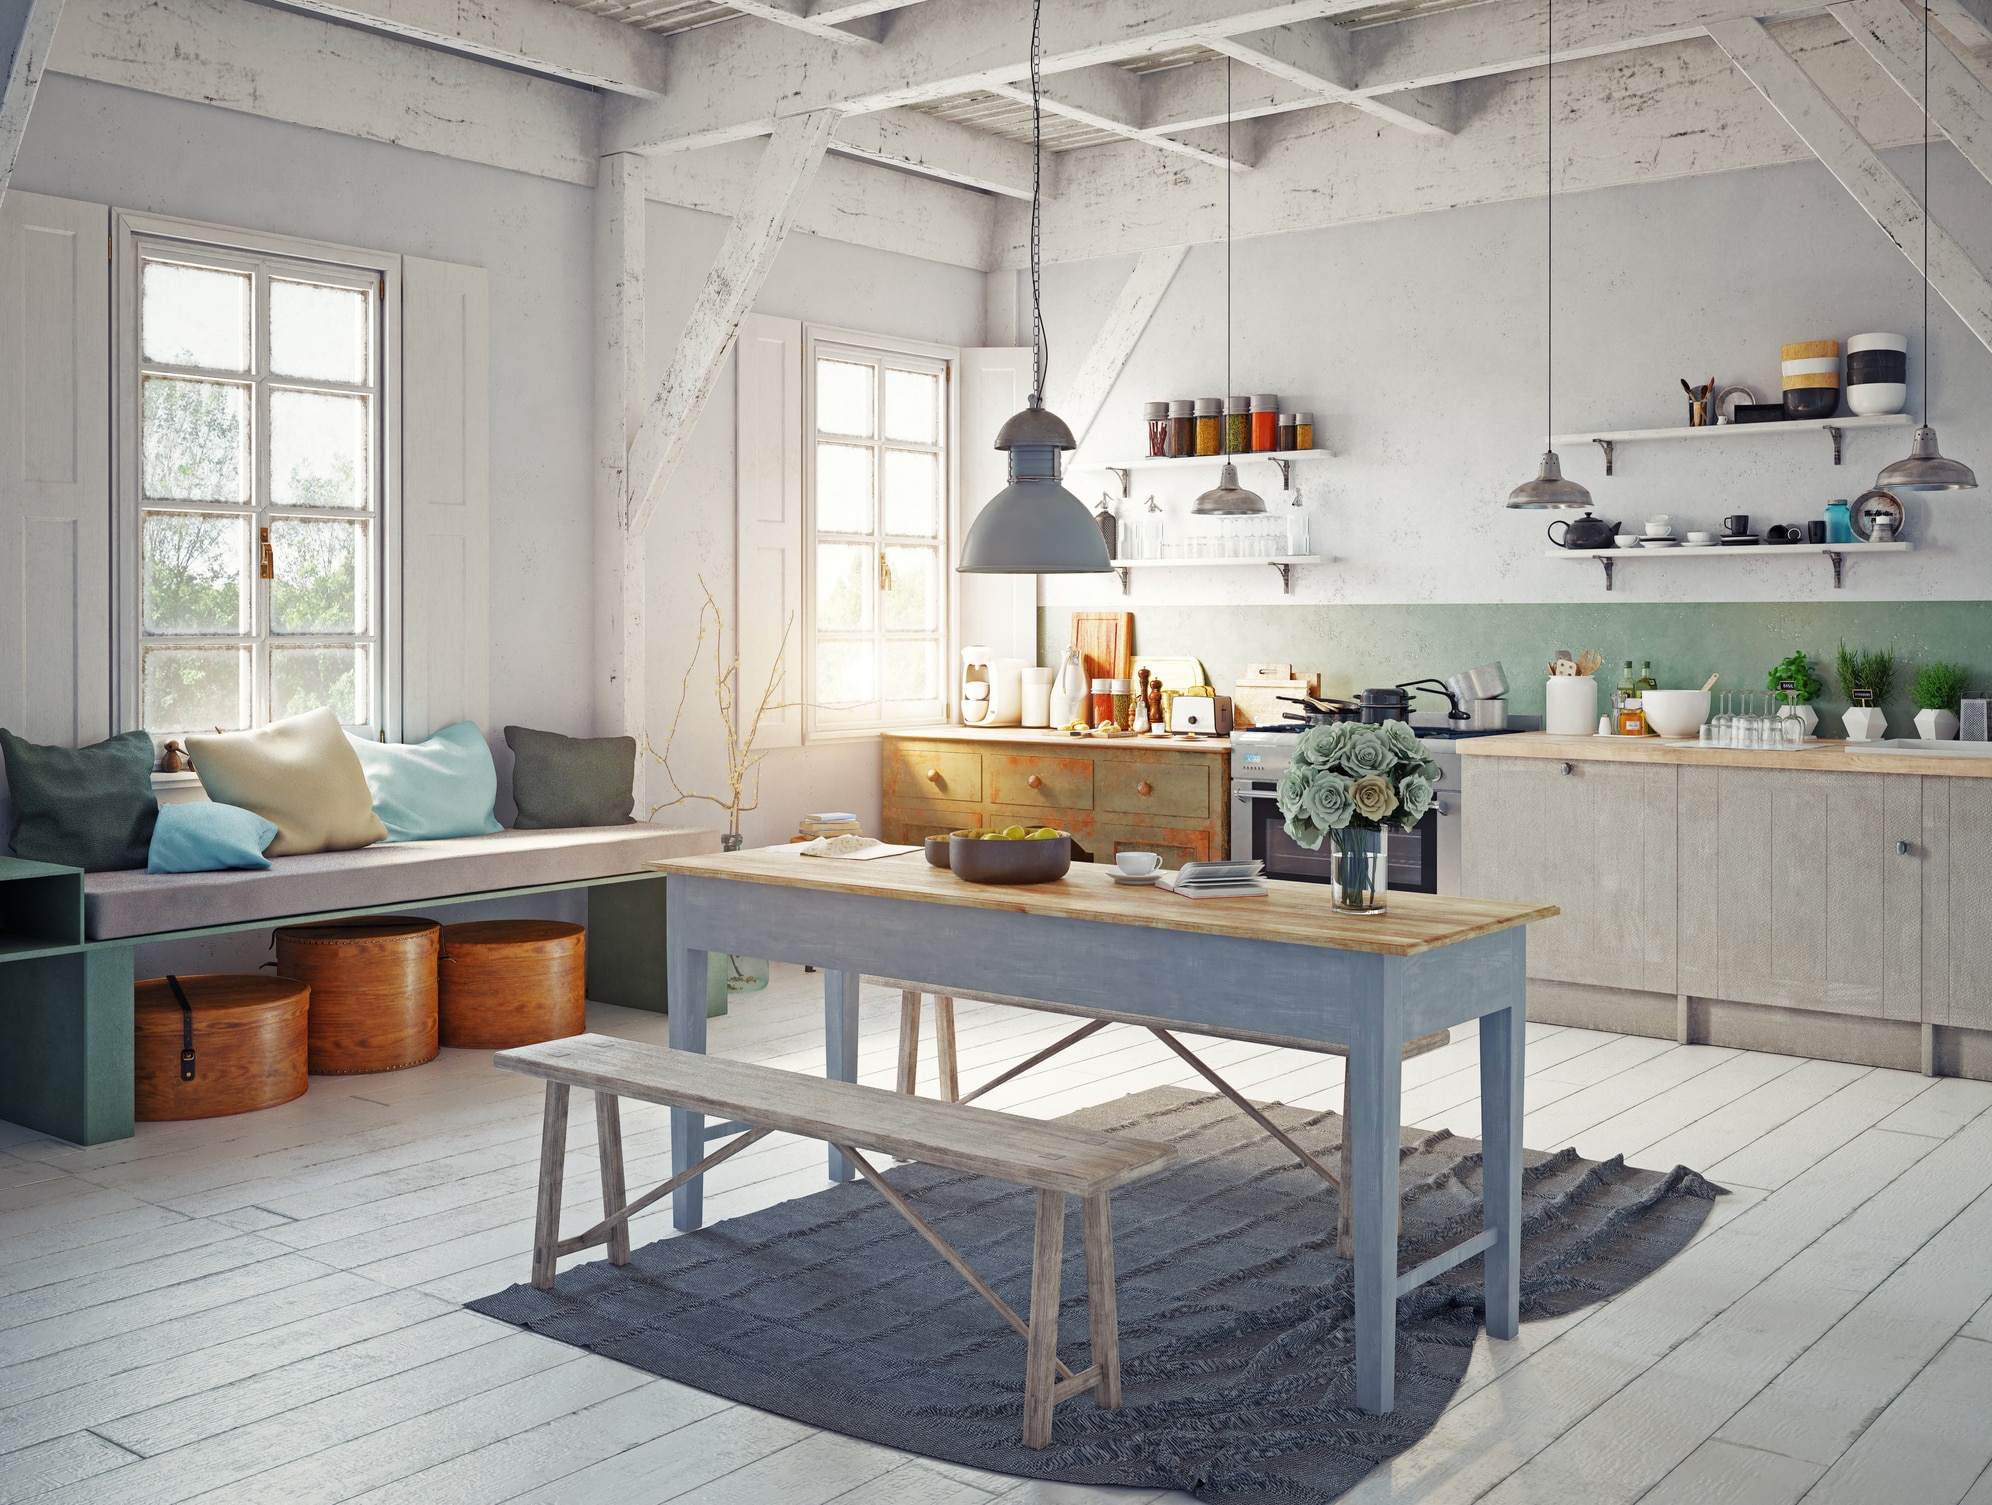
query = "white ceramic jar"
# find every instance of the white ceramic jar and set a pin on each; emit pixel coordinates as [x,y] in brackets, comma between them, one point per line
[1570,706]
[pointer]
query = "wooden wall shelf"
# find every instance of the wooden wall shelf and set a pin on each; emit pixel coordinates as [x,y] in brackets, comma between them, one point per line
[1836,552]
[1609,439]
[1283,563]
[1125,469]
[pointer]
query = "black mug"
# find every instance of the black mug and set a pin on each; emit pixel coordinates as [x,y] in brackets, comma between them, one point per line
[1815,531]
[1736,526]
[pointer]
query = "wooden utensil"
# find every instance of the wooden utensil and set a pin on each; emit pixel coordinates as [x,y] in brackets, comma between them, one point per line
[1711,683]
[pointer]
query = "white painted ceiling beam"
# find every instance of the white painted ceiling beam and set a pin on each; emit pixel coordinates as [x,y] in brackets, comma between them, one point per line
[935,148]
[1139,297]
[1107,99]
[1833,139]
[839,12]
[1970,21]
[1960,105]
[861,32]
[1316,55]
[27,28]
[555,41]
[1186,98]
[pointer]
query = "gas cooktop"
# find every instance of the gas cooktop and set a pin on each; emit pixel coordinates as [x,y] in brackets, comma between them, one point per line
[1295,728]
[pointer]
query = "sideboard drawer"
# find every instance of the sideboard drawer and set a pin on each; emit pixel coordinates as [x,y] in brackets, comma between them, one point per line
[1033,782]
[932,773]
[1169,789]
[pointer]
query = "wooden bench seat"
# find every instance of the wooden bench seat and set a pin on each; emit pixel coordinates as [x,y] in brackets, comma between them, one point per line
[1056,1160]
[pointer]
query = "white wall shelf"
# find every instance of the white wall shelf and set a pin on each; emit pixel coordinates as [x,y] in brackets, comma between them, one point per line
[1608,440]
[1837,552]
[1283,563]
[1125,469]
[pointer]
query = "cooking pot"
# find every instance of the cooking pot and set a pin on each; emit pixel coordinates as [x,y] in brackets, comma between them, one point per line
[1586,532]
[1322,712]
[1391,703]
[1433,687]
[1488,682]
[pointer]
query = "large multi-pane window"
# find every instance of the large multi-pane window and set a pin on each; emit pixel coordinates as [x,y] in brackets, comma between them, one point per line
[877,555]
[258,488]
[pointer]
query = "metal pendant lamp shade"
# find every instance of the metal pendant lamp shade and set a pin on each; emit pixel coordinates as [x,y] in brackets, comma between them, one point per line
[1549,489]
[1227,498]
[1034,526]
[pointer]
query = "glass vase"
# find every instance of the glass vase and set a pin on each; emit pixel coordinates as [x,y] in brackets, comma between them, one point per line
[1362,873]
[731,841]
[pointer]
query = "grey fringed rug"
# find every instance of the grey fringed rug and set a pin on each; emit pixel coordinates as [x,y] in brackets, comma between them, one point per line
[1237,1333]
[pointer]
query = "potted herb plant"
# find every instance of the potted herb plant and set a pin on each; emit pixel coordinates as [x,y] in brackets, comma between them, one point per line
[1352,783]
[1796,669]
[1937,690]
[1866,676]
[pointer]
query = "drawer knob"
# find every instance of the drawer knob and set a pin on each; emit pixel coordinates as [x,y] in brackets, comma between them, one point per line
[1144,788]
[1901,849]
[1568,769]
[933,776]
[1035,782]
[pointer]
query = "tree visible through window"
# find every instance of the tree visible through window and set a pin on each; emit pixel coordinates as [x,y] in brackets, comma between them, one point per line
[259,511]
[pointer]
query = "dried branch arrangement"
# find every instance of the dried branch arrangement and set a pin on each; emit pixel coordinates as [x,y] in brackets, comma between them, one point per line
[743,764]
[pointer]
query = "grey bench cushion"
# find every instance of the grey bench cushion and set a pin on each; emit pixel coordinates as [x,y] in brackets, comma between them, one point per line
[412,872]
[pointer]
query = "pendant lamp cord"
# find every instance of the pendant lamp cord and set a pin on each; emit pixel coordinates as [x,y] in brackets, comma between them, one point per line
[1040,343]
[1549,223]
[1228,174]
[1926,213]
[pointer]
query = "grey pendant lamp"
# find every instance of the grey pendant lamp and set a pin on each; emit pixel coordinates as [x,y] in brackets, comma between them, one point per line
[1227,498]
[1034,526]
[1549,489]
[1925,469]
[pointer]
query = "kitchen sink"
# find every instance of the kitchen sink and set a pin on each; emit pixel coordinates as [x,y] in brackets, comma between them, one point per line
[1914,745]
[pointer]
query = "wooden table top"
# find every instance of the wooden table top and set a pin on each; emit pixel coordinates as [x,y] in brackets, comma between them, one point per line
[1831,755]
[1037,736]
[1297,914]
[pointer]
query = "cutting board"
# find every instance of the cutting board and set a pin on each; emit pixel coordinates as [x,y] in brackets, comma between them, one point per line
[1255,699]
[1105,640]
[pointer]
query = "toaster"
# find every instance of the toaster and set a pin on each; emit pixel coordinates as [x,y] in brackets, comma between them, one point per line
[1206,715]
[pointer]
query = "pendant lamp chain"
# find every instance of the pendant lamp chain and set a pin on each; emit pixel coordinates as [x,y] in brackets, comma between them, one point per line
[1040,342]
[1229,174]
[1227,498]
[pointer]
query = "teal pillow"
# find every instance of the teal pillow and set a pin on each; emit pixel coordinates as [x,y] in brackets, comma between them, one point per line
[424,791]
[203,837]
[88,807]
[571,781]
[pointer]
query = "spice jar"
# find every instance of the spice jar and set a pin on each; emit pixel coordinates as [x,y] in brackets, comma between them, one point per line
[1286,434]
[1237,425]
[1210,425]
[1182,428]
[1303,431]
[1101,711]
[1122,697]
[1157,416]
[1265,420]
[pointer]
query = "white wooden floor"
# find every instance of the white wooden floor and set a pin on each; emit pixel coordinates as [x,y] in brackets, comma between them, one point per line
[266,1308]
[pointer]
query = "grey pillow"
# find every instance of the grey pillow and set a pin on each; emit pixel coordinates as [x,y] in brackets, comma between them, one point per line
[571,781]
[88,807]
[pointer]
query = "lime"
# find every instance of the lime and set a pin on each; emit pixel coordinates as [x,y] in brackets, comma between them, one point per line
[1043,834]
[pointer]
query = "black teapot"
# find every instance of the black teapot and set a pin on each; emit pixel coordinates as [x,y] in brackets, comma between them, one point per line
[1586,532]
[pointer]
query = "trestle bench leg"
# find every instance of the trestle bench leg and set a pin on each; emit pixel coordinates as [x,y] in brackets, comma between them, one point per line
[608,1136]
[553,1165]
[1041,1363]
[1102,1316]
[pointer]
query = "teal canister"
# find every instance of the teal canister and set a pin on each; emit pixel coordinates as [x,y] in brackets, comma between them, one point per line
[1839,524]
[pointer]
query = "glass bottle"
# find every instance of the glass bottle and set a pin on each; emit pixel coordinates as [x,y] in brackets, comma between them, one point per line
[1303,431]
[1285,435]
[1265,421]
[1630,716]
[1238,425]
[1157,416]
[1100,709]
[1296,529]
[1210,425]
[1123,703]
[1182,428]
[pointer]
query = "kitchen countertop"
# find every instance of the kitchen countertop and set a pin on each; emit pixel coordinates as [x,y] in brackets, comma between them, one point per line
[1831,756]
[1019,736]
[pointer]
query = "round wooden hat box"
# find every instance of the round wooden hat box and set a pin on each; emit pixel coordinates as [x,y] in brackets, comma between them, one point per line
[373,990]
[512,982]
[247,1042]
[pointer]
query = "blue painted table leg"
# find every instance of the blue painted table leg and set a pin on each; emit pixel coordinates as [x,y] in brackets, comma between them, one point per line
[688,1032]
[1501,1049]
[1376,1072]
[840,1046]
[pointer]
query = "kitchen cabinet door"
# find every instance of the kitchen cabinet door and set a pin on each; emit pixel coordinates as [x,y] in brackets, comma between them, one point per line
[922,773]
[1039,783]
[1959,985]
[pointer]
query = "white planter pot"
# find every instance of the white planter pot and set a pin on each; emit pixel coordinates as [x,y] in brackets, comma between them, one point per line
[1808,717]
[1864,723]
[1936,726]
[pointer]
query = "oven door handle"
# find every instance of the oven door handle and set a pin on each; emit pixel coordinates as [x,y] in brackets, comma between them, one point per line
[1255,794]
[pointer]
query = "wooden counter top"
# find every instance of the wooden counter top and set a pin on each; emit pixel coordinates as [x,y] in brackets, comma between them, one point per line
[1828,756]
[1294,914]
[1037,736]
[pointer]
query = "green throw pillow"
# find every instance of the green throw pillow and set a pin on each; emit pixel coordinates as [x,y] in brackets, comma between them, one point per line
[571,781]
[88,807]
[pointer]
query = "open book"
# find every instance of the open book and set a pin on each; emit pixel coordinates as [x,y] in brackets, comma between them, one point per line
[1217,880]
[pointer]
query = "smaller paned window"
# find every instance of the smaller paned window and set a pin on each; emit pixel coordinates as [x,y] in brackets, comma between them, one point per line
[258,481]
[879,493]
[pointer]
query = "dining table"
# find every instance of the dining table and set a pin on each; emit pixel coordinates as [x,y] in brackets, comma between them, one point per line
[1284,969]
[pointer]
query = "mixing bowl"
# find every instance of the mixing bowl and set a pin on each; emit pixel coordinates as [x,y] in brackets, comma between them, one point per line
[1676,713]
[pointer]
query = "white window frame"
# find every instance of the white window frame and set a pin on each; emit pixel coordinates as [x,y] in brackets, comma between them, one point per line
[131,232]
[946,361]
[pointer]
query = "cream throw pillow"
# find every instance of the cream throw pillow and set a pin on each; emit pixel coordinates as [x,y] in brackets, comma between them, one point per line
[300,774]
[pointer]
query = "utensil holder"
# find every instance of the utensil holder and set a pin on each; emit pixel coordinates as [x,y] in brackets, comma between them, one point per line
[1570,706]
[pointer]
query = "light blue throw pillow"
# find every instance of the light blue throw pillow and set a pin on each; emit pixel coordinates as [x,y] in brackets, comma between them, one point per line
[424,791]
[203,837]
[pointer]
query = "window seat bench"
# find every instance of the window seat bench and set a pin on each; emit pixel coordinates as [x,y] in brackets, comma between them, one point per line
[68,940]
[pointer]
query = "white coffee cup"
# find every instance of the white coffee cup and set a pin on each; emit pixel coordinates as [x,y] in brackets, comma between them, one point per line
[1701,538]
[1138,864]
[1657,526]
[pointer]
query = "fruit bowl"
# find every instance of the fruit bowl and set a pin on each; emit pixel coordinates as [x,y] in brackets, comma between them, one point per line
[977,858]
[937,851]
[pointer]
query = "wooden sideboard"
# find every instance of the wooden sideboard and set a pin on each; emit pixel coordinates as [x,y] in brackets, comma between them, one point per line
[1124,795]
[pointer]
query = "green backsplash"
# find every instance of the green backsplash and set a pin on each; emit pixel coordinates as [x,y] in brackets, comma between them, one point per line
[1354,646]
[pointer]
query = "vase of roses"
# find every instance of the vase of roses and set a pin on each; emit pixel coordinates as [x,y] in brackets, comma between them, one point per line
[1351,784]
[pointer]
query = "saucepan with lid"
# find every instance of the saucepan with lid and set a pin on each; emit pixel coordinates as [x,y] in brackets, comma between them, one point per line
[1321,711]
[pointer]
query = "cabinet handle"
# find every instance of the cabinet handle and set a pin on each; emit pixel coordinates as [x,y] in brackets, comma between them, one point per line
[1568,769]
[1901,849]
[1144,788]
[933,776]
[1035,782]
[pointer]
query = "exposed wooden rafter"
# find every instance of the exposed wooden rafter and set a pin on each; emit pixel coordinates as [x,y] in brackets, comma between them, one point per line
[1317,56]
[1139,297]
[27,28]
[1960,106]
[1107,99]
[791,158]
[938,148]
[861,30]
[620,568]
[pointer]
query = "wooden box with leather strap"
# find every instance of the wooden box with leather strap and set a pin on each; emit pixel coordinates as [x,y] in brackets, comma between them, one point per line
[505,983]
[373,990]
[212,1045]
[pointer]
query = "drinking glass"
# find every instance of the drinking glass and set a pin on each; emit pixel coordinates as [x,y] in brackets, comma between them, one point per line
[1794,732]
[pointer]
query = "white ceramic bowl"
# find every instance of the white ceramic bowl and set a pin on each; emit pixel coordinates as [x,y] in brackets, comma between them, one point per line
[1699,537]
[1862,342]
[1676,713]
[1872,397]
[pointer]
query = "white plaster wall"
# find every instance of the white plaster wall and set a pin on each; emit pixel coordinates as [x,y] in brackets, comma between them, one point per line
[692,535]
[1418,343]
[142,151]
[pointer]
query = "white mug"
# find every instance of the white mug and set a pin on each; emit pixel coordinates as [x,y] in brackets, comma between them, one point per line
[1658,526]
[1137,864]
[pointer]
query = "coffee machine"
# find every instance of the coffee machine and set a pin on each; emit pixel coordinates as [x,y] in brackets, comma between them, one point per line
[992,689]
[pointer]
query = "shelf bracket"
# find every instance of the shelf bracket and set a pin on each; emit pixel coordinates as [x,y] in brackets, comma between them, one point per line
[1126,479]
[1607,563]
[1286,575]
[1286,474]
[1834,435]
[1606,446]
[1838,559]
[1126,578]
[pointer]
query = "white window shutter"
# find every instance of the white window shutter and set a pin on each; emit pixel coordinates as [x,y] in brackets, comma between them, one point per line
[998,612]
[55,479]
[768,498]
[445,497]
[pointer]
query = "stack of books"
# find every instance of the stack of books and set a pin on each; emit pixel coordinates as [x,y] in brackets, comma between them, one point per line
[1217,880]
[830,823]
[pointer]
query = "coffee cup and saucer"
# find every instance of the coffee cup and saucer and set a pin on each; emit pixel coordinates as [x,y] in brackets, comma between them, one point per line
[1137,869]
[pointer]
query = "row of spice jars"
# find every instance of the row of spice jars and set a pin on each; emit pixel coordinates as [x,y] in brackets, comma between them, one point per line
[1189,427]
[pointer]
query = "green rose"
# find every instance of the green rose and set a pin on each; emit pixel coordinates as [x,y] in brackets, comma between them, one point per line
[1305,832]
[1369,752]
[1320,745]
[1326,802]
[1403,741]
[1415,796]
[1373,798]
